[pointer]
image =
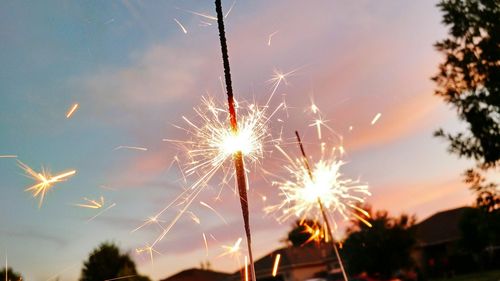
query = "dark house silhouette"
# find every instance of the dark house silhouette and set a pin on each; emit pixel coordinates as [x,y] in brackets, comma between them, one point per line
[196,274]
[437,243]
[296,263]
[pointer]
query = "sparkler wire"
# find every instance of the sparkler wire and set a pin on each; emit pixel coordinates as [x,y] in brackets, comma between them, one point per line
[239,165]
[323,212]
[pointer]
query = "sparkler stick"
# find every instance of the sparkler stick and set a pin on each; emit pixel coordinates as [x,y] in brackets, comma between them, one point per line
[323,213]
[241,179]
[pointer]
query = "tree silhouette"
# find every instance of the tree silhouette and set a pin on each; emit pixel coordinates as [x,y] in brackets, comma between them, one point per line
[11,274]
[469,79]
[106,262]
[479,233]
[382,249]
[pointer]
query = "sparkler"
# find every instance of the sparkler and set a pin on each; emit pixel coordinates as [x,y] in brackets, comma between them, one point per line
[45,180]
[237,154]
[8,156]
[319,188]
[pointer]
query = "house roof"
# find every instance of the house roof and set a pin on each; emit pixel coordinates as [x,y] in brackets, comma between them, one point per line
[440,227]
[292,258]
[197,274]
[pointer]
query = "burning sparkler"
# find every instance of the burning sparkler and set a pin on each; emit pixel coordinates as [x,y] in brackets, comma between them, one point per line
[45,180]
[317,189]
[216,138]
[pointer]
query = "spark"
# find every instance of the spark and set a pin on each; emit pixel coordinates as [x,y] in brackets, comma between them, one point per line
[279,77]
[150,220]
[55,276]
[375,119]
[230,9]
[45,181]
[194,217]
[109,21]
[351,128]
[148,249]
[91,203]
[210,17]
[234,250]
[316,231]
[101,212]
[8,156]
[213,210]
[181,26]
[122,277]
[246,268]
[271,37]
[276,264]
[72,110]
[206,244]
[130,147]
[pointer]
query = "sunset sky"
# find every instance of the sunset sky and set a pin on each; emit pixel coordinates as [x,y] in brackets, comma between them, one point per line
[135,74]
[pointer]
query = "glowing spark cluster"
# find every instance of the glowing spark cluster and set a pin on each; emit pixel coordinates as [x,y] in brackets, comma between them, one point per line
[45,181]
[211,146]
[233,250]
[92,203]
[326,182]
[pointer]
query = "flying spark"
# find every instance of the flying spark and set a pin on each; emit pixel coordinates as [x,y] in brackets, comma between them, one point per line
[375,119]
[276,264]
[149,250]
[92,203]
[101,212]
[181,26]
[206,244]
[130,147]
[45,181]
[8,156]
[270,37]
[72,110]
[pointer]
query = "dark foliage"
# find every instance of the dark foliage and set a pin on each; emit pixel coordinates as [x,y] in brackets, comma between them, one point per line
[469,78]
[480,231]
[380,250]
[11,275]
[106,262]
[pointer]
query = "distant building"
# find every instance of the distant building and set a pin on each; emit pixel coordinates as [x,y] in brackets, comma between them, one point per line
[196,274]
[437,242]
[296,264]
